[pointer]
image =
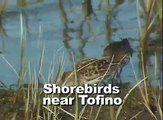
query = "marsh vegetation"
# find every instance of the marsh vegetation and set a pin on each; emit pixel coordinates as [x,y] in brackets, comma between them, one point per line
[40,40]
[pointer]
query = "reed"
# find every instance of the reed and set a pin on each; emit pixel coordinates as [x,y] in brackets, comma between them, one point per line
[22,3]
[150,9]
[22,54]
[3,4]
[3,33]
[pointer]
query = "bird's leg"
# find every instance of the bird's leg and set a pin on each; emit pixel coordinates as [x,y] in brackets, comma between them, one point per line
[119,76]
[116,77]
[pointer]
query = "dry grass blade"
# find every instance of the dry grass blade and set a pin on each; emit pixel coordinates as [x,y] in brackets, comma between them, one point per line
[136,78]
[10,65]
[22,50]
[3,33]
[76,94]
[54,114]
[138,17]
[98,112]
[136,115]
[66,112]
[14,116]
[146,81]
[27,104]
[91,111]
[125,98]
[159,107]
[82,111]
[148,108]
[41,60]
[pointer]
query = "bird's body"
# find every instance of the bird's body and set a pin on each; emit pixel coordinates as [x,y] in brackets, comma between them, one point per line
[93,70]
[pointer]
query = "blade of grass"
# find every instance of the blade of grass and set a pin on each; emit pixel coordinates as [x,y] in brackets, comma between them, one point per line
[66,112]
[98,112]
[82,111]
[133,117]
[125,98]
[49,110]
[148,108]
[76,94]
[22,50]
[136,78]
[11,66]
[159,107]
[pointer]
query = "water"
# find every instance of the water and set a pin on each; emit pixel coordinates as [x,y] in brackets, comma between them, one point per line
[62,28]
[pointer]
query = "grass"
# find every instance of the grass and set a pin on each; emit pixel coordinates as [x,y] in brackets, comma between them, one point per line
[2,12]
[151,10]
[22,50]
[30,99]
[142,101]
[3,33]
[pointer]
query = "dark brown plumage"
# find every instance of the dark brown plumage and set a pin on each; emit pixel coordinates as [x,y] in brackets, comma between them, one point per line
[93,70]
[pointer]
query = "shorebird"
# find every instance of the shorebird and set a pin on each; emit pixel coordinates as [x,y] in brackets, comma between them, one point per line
[92,71]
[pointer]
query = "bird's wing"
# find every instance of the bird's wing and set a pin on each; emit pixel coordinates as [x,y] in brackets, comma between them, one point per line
[86,62]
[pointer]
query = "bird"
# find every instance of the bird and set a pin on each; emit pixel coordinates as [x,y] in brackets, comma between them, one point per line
[120,50]
[92,70]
